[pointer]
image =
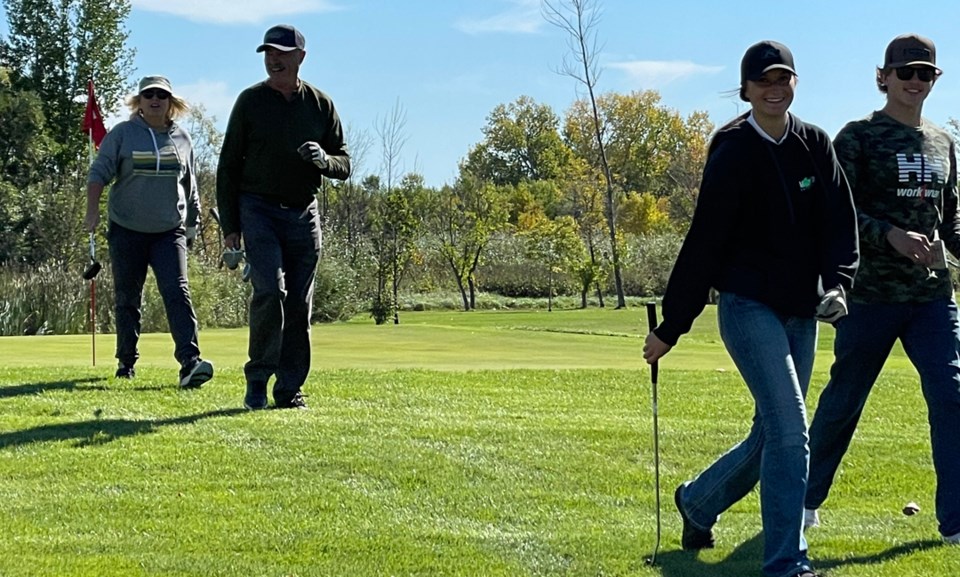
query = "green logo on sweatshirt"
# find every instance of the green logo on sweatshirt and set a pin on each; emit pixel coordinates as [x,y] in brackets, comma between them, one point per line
[806,183]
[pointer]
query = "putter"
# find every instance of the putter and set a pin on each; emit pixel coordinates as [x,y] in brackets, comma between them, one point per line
[652,322]
[90,274]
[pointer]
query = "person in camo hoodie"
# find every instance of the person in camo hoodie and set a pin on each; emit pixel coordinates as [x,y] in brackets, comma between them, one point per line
[903,172]
[153,210]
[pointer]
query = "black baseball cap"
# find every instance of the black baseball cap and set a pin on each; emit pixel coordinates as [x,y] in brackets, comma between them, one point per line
[910,50]
[282,37]
[763,57]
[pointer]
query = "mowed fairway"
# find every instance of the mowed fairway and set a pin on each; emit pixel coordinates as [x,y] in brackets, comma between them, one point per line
[482,443]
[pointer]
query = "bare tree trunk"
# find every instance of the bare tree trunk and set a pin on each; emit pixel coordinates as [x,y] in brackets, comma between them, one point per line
[579,19]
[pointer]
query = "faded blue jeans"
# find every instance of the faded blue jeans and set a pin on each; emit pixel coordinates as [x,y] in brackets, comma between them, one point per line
[131,252]
[282,245]
[930,333]
[774,354]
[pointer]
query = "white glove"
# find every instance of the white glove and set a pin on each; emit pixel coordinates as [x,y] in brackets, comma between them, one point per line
[191,232]
[311,152]
[833,306]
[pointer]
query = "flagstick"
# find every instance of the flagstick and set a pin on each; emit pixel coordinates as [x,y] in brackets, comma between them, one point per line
[93,281]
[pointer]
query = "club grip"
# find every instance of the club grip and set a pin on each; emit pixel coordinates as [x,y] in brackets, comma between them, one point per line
[652,323]
[652,315]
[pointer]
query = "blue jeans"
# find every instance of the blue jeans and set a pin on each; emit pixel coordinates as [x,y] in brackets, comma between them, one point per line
[774,354]
[930,334]
[282,246]
[131,252]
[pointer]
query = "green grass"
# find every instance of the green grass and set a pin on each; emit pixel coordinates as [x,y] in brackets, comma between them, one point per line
[500,443]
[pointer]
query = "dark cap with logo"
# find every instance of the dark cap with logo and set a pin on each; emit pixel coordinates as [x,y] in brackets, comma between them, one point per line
[282,37]
[763,57]
[910,50]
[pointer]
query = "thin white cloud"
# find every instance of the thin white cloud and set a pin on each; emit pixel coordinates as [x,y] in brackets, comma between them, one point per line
[654,74]
[523,17]
[234,11]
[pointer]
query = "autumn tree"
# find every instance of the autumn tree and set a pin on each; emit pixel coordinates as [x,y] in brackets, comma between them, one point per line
[521,142]
[465,217]
[555,243]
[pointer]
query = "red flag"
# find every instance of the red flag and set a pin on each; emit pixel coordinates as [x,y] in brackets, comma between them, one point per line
[93,119]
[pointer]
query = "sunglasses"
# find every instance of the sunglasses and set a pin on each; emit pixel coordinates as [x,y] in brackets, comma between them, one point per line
[924,74]
[163,94]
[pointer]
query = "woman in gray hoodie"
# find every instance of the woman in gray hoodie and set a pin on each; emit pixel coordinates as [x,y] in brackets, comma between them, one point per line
[153,209]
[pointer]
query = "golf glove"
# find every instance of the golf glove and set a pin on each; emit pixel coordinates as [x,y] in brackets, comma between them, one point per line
[833,306]
[191,234]
[311,152]
[232,257]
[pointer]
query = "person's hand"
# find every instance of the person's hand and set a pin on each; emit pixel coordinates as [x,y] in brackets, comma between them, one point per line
[913,245]
[833,305]
[311,152]
[191,234]
[654,348]
[232,240]
[92,220]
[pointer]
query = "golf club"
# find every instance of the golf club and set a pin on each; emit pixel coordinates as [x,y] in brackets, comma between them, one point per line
[93,269]
[90,274]
[652,323]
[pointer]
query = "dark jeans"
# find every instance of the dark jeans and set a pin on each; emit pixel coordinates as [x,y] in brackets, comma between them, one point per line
[929,333]
[166,253]
[283,247]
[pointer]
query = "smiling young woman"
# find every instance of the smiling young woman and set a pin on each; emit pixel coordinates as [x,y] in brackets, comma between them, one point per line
[773,227]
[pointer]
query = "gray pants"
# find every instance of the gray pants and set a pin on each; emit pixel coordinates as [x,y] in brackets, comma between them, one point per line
[131,252]
[282,246]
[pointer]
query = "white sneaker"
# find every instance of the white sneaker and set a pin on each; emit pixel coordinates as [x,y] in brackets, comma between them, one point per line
[810,518]
[952,539]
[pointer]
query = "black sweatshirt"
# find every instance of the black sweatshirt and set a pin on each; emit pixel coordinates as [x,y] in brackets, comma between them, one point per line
[774,223]
[259,154]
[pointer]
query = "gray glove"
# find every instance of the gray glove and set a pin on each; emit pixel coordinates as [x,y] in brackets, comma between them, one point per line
[232,257]
[311,152]
[833,306]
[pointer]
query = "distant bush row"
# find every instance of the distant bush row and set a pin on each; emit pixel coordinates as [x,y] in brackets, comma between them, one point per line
[51,299]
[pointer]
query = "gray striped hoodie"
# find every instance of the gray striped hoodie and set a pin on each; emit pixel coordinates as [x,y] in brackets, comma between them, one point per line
[153,175]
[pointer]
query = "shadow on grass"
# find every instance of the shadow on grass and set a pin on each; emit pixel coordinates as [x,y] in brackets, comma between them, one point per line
[102,431]
[748,557]
[37,388]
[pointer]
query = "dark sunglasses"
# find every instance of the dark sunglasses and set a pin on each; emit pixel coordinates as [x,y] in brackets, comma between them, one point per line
[924,74]
[163,94]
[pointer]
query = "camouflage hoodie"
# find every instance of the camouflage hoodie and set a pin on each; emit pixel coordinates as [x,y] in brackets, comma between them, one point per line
[906,177]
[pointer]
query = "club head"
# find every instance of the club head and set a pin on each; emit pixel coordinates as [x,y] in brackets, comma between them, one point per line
[92,271]
[650,561]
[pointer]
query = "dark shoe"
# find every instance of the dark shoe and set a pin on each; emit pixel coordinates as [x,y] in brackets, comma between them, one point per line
[693,538]
[195,373]
[125,372]
[256,397]
[294,402]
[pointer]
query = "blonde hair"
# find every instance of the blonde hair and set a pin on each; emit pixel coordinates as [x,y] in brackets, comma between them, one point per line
[178,107]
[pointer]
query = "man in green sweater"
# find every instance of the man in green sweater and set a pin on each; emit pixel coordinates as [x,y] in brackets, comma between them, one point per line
[283,137]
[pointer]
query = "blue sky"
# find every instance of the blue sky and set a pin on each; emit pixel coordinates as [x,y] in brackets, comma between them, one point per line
[448,63]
